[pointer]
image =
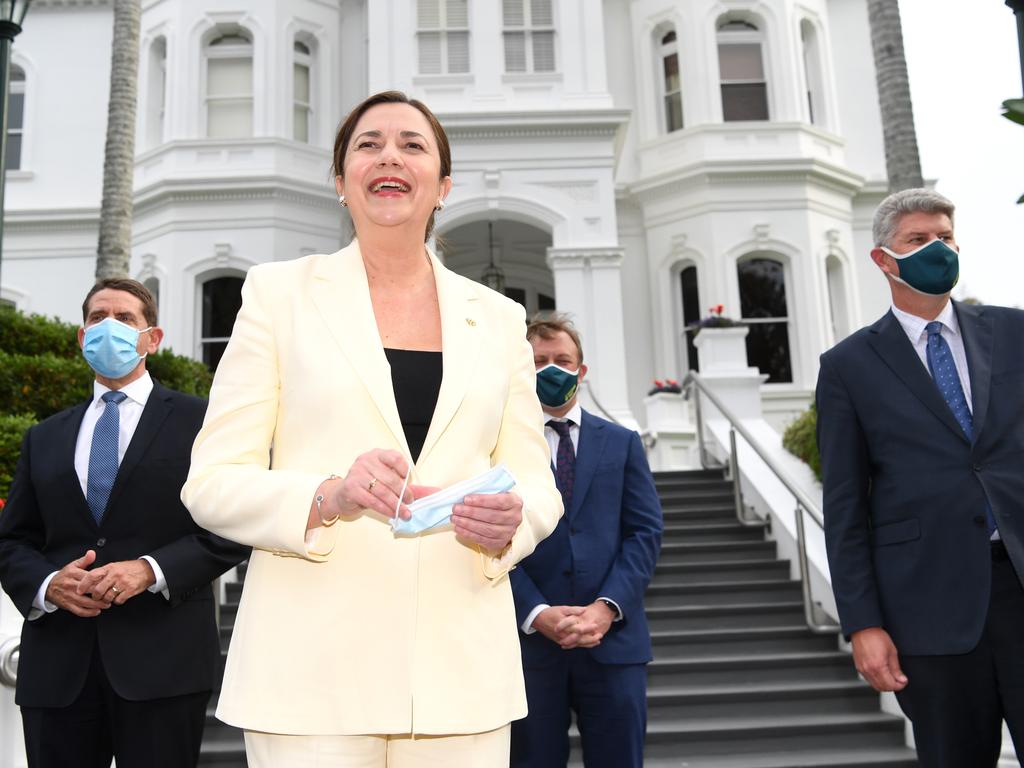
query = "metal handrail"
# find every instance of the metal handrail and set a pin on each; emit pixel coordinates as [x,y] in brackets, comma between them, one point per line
[817,620]
[10,649]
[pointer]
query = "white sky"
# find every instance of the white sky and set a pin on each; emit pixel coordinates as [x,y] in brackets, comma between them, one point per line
[963,62]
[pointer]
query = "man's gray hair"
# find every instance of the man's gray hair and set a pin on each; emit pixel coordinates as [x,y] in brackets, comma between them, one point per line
[899,204]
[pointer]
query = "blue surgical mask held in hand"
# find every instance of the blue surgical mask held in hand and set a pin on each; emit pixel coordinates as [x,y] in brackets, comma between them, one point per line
[436,509]
[933,268]
[110,347]
[556,385]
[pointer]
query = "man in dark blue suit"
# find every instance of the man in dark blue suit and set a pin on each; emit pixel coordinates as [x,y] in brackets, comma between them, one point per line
[921,432]
[579,596]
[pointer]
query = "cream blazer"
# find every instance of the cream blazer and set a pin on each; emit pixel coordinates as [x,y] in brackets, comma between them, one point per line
[354,631]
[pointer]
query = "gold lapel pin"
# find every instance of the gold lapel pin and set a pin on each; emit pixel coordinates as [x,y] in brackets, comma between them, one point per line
[471,322]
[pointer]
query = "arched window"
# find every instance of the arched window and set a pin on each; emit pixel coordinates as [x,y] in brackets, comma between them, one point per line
[672,95]
[691,313]
[302,109]
[156,92]
[229,85]
[15,117]
[222,298]
[741,68]
[443,36]
[812,73]
[152,284]
[763,307]
[529,33]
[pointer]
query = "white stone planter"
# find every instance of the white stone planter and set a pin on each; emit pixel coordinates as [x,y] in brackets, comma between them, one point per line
[667,411]
[723,350]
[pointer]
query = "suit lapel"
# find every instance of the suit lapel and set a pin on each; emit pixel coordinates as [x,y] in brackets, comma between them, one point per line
[341,294]
[461,331]
[976,328]
[591,445]
[158,408]
[890,342]
[66,458]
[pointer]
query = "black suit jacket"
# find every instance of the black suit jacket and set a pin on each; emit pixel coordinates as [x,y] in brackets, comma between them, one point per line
[905,490]
[606,545]
[151,647]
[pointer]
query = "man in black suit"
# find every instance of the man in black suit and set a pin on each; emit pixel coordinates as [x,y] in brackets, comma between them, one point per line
[120,649]
[921,432]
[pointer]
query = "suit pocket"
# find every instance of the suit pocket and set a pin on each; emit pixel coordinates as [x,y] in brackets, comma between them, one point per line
[896,533]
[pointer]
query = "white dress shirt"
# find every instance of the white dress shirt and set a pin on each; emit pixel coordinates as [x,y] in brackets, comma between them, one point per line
[916,329]
[129,412]
[575,415]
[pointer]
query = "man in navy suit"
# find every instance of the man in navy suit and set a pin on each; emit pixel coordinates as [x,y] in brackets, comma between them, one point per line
[579,596]
[120,649]
[921,432]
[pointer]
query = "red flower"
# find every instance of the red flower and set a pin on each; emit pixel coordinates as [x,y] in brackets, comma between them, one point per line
[659,383]
[3,503]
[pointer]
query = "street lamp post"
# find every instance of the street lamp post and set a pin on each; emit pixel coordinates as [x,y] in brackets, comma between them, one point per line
[1018,10]
[12,14]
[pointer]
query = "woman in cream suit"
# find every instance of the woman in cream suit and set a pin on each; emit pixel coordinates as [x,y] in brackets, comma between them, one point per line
[355,647]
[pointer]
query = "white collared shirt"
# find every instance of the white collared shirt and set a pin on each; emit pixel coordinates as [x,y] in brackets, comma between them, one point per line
[916,329]
[129,412]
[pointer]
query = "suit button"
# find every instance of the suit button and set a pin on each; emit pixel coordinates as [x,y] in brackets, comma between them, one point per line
[979,520]
[101,542]
[976,467]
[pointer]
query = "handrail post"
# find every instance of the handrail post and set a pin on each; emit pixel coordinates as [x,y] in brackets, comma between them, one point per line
[810,609]
[701,453]
[737,491]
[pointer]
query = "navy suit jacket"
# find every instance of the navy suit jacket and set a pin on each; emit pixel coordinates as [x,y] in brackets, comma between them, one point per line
[606,545]
[905,490]
[151,647]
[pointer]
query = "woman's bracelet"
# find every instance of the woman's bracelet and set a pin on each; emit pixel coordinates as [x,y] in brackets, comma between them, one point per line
[319,501]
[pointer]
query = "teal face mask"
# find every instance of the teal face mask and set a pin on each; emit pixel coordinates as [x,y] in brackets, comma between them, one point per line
[556,386]
[436,509]
[933,268]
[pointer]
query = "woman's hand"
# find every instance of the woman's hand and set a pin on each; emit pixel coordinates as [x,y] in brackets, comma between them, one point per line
[373,482]
[488,519]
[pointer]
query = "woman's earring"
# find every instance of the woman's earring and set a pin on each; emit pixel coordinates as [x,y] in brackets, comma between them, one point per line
[440,205]
[341,199]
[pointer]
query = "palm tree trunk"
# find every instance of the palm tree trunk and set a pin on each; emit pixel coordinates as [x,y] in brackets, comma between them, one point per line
[902,162]
[115,241]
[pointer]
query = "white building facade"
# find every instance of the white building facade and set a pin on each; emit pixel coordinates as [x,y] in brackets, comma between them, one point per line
[631,162]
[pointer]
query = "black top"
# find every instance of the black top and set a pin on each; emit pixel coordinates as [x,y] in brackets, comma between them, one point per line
[416,379]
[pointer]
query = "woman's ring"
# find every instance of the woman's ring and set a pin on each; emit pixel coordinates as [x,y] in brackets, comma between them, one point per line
[373,482]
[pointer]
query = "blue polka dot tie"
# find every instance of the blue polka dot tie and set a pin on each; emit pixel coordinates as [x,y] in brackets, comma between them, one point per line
[943,368]
[103,455]
[565,462]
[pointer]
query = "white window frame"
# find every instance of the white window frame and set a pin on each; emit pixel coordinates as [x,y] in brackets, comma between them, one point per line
[230,51]
[529,29]
[307,60]
[666,50]
[743,37]
[18,87]
[442,30]
[786,320]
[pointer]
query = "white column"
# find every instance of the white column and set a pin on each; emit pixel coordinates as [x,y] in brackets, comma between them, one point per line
[588,287]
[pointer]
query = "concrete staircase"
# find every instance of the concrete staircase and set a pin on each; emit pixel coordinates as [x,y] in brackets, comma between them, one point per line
[737,680]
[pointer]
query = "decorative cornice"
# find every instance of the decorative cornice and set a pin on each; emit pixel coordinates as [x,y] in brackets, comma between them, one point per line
[580,258]
[548,124]
[67,4]
[264,188]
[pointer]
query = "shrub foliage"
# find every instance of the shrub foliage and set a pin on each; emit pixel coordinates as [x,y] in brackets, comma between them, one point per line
[801,439]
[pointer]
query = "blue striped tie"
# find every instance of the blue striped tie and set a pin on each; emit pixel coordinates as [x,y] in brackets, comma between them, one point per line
[103,455]
[943,368]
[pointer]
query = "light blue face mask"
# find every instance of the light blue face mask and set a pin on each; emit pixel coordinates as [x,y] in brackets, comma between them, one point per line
[436,509]
[110,347]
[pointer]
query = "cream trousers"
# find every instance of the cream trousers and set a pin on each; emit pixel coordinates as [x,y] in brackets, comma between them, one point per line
[475,750]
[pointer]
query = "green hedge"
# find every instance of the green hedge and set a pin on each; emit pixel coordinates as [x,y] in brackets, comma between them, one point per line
[36,335]
[801,439]
[42,384]
[12,430]
[181,373]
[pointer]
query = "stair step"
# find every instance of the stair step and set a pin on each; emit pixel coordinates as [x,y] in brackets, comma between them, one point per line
[681,593]
[744,641]
[774,666]
[711,531]
[739,700]
[724,572]
[719,552]
[876,757]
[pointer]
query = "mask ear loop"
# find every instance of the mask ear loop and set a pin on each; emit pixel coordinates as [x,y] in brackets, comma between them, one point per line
[401,495]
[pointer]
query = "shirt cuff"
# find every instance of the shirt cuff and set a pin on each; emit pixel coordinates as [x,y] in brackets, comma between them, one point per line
[527,626]
[618,611]
[158,587]
[40,606]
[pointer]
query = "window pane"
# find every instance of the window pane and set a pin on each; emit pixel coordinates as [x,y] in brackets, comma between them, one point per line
[762,288]
[691,312]
[673,112]
[231,39]
[512,13]
[458,52]
[15,110]
[213,351]
[229,77]
[740,62]
[515,52]
[13,151]
[768,349]
[301,47]
[669,38]
[302,83]
[745,102]
[671,65]
[545,302]
[17,74]
[430,53]
[543,51]
[456,14]
[301,123]
[229,120]
[428,14]
[517,295]
[540,13]
[222,298]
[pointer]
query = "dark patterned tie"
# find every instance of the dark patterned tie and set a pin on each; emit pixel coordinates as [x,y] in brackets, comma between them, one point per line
[943,368]
[565,462]
[103,455]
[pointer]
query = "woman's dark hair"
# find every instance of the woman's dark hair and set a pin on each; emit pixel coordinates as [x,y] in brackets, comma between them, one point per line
[348,127]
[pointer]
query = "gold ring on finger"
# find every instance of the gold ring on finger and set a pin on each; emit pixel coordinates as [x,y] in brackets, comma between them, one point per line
[115,590]
[373,482]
